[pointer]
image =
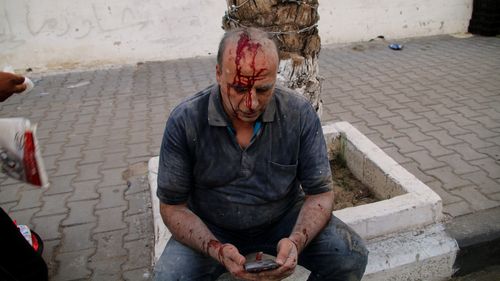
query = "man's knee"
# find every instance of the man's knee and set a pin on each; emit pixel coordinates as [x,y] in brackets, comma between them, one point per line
[338,253]
[355,263]
[355,253]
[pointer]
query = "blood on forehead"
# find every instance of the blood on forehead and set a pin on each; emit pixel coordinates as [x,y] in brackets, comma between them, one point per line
[246,47]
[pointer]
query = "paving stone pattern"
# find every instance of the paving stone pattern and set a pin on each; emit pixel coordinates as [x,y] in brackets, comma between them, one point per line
[434,107]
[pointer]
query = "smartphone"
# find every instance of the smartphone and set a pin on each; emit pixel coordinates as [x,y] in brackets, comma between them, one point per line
[262,265]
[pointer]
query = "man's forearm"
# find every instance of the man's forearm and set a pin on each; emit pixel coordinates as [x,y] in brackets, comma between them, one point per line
[313,217]
[187,228]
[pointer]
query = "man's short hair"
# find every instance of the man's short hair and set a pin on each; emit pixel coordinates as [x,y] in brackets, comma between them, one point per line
[251,32]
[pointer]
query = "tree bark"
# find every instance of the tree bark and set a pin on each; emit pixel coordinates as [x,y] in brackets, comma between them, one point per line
[293,24]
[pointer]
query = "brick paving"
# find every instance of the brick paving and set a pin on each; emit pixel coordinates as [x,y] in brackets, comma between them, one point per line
[434,107]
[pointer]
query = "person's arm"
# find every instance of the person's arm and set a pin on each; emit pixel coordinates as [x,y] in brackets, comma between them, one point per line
[187,228]
[313,217]
[10,84]
[315,177]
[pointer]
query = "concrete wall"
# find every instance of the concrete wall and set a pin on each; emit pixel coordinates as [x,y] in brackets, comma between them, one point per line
[83,33]
[361,20]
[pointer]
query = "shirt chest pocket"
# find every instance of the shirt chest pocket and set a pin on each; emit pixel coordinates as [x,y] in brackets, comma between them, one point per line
[280,178]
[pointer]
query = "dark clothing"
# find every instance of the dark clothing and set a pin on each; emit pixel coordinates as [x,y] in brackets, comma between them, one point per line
[337,253]
[18,260]
[232,188]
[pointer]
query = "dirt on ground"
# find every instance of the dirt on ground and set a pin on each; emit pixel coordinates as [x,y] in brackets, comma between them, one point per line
[348,190]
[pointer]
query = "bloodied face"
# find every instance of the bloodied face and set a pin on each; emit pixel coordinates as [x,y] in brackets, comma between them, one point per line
[247,76]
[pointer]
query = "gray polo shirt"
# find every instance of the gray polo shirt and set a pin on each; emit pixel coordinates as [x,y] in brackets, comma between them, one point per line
[202,164]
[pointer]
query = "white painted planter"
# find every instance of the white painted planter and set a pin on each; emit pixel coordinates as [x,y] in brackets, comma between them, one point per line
[410,203]
[403,232]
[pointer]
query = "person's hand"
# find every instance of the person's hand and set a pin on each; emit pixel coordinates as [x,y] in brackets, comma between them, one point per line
[287,258]
[229,256]
[10,84]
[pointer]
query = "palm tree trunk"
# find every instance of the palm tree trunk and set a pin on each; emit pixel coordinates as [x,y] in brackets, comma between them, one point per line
[294,25]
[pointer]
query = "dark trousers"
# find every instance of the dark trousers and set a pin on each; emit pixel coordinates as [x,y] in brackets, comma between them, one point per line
[337,252]
[18,260]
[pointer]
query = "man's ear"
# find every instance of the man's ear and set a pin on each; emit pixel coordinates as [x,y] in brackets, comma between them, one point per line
[218,73]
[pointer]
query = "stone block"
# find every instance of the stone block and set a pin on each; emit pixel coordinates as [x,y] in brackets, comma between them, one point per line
[425,161]
[435,148]
[457,209]
[77,237]
[48,226]
[114,160]
[140,226]
[9,194]
[84,190]
[405,145]
[424,125]
[467,153]
[59,184]
[138,274]
[489,165]
[112,177]
[484,184]
[375,179]
[458,165]
[107,270]
[110,219]
[109,245]
[54,205]
[73,265]
[138,203]
[67,167]
[81,212]
[444,137]
[30,198]
[111,196]
[88,172]
[477,201]
[354,158]
[70,152]
[449,179]
[474,141]
[139,253]
[415,135]
[399,123]
[92,156]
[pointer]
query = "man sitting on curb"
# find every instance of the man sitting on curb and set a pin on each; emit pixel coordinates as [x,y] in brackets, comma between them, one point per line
[244,168]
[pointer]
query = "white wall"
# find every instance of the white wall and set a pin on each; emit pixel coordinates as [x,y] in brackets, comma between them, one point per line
[85,33]
[361,20]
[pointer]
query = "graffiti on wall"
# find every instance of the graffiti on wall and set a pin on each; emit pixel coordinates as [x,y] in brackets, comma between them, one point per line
[28,21]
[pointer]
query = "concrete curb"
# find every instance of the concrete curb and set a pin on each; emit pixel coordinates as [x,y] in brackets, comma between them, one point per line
[478,237]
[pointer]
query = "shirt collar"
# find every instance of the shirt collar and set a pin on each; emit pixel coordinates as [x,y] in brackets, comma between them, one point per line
[218,117]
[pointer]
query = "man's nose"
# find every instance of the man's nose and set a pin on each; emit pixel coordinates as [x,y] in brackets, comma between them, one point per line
[251,99]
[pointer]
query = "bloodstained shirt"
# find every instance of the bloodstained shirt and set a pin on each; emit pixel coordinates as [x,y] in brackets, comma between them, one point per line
[201,162]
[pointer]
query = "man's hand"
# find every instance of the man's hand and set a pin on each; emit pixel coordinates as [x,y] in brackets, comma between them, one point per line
[10,84]
[229,256]
[287,259]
